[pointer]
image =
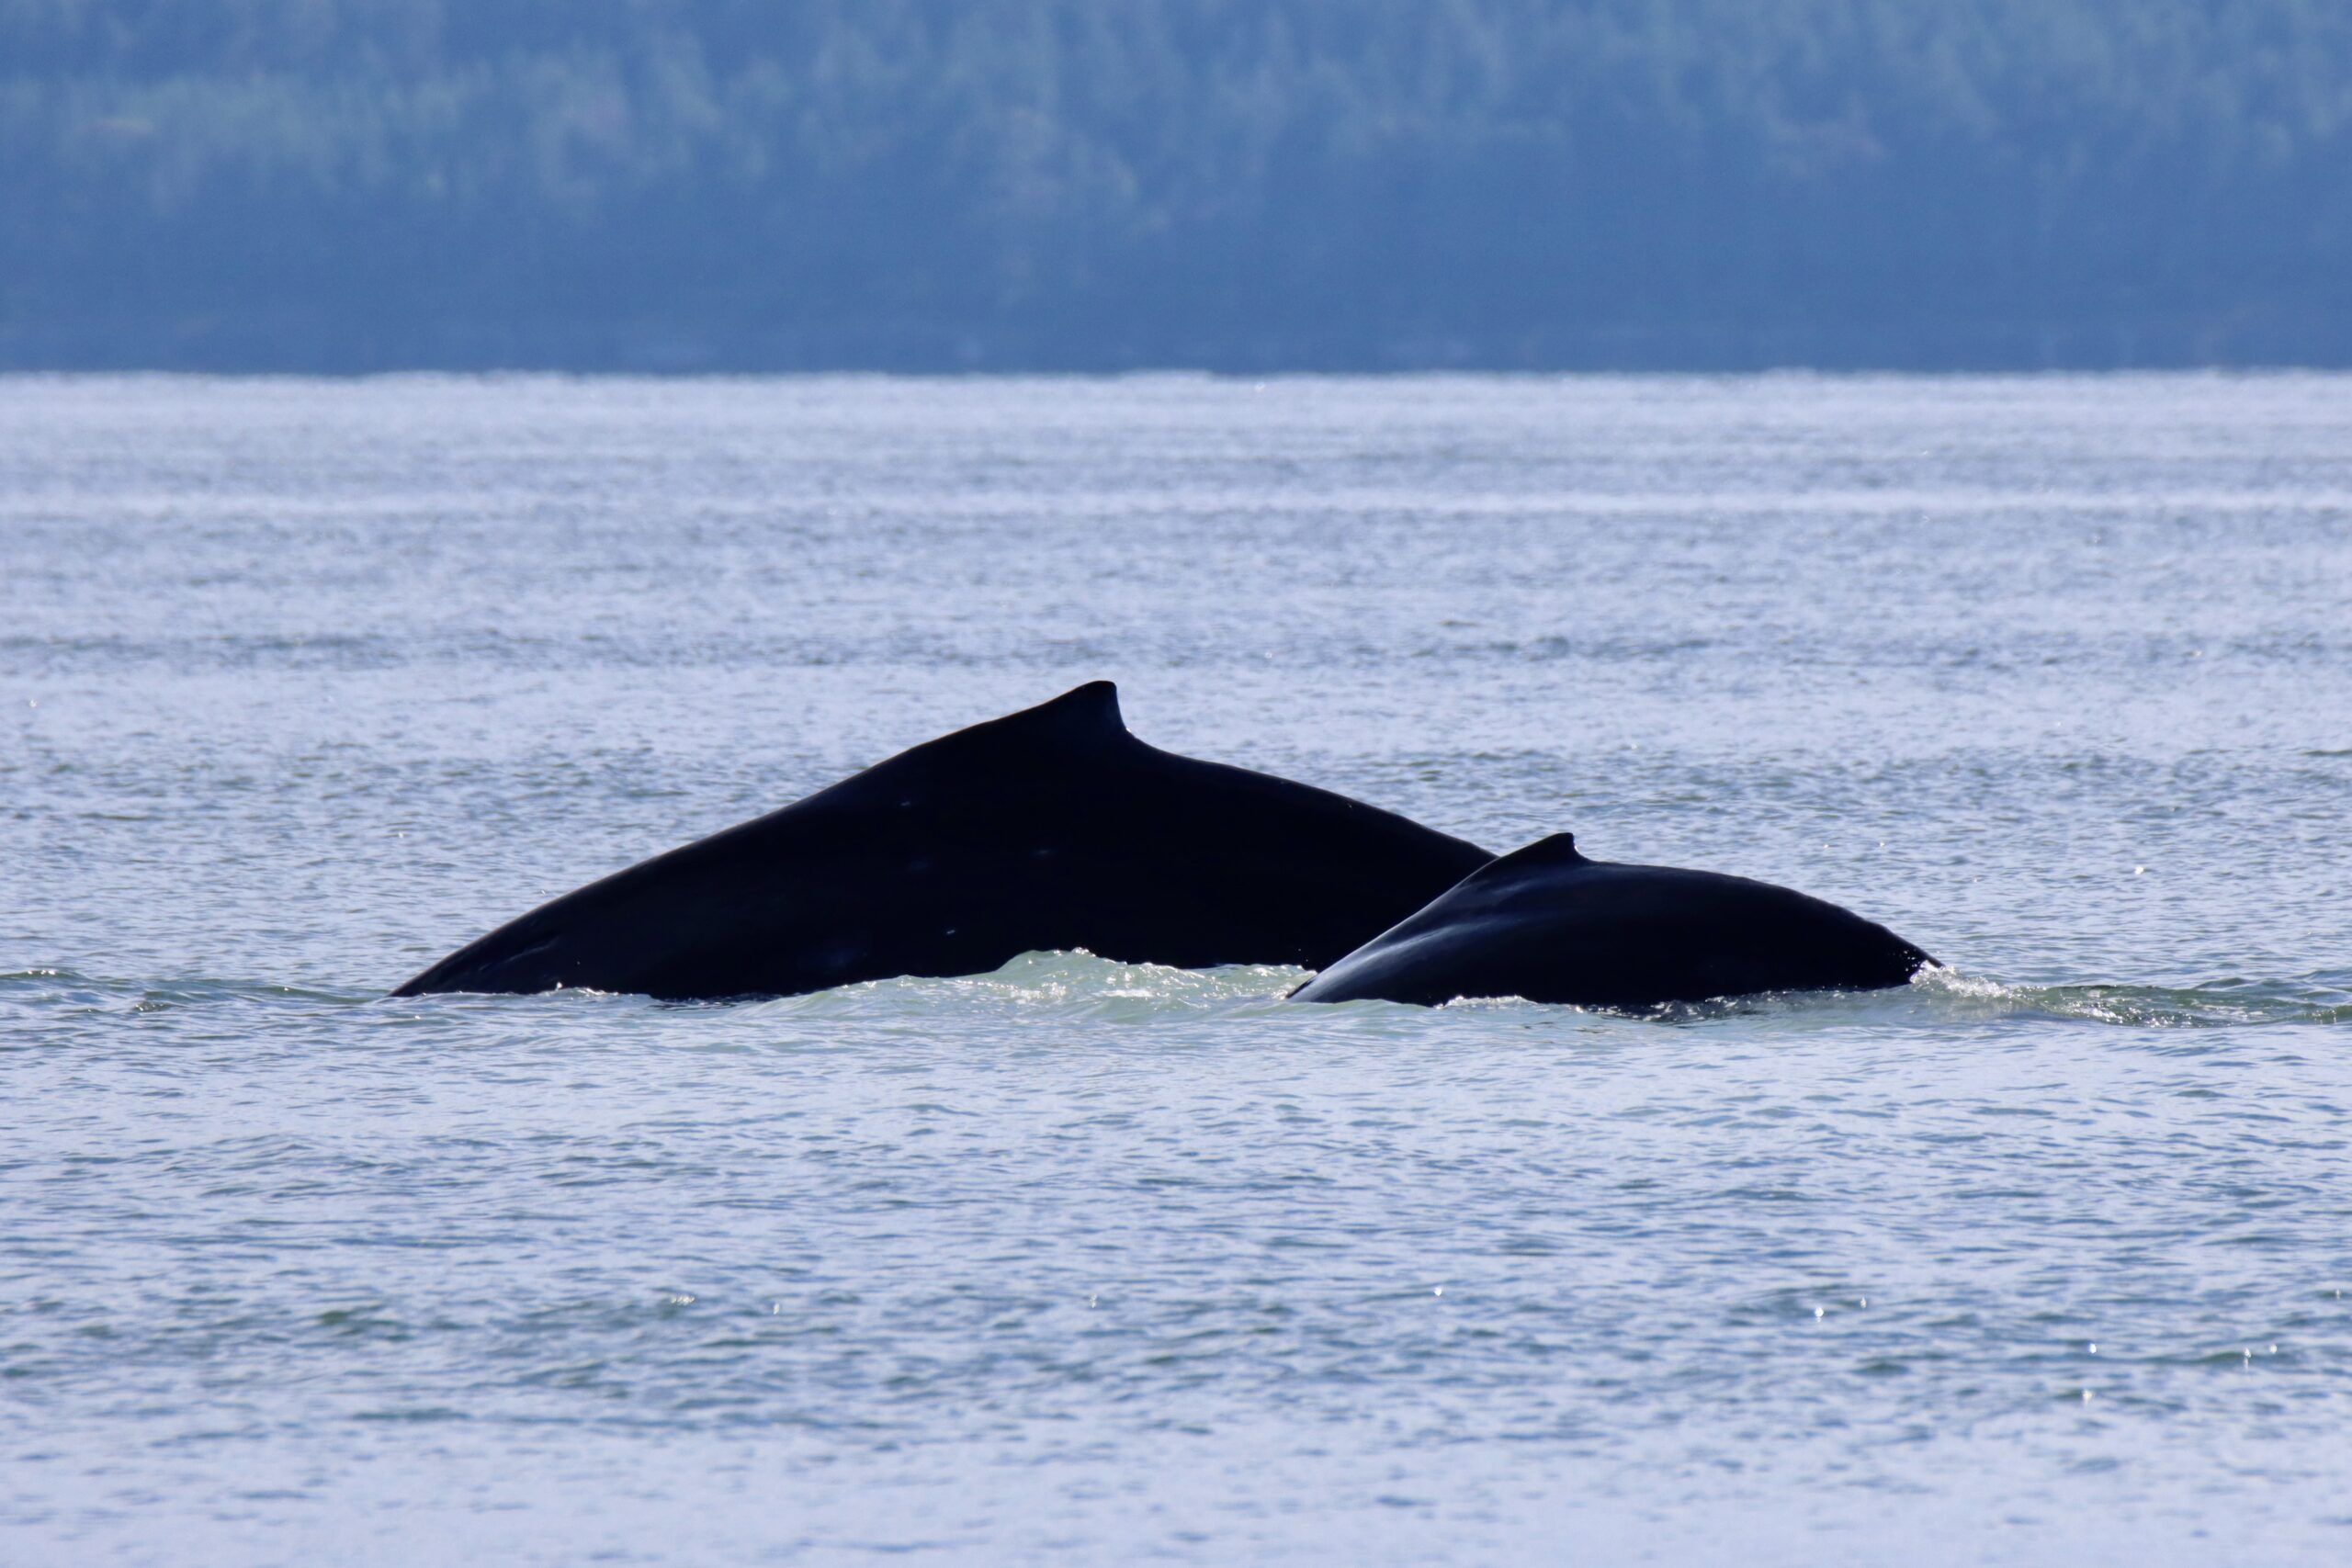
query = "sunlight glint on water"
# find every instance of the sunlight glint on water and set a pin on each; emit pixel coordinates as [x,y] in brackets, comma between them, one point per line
[1084,1261]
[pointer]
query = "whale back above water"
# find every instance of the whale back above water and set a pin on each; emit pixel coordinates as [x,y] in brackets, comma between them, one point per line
[1052,827]
[1547,924]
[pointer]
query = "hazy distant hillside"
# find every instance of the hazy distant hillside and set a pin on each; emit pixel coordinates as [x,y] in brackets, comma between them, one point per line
[1236,183]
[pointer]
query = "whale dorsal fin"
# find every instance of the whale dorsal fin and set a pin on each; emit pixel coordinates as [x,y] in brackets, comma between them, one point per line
[1082,714]
[1083,720]
[1091,708]
[1558,850]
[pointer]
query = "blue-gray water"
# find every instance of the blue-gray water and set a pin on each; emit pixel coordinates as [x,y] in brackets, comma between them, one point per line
[302,684]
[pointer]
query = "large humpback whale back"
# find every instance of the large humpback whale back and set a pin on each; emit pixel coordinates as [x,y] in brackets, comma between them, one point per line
[1052,828]
[1549,925]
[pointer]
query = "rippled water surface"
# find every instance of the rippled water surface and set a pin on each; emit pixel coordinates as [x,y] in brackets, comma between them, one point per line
[302,684]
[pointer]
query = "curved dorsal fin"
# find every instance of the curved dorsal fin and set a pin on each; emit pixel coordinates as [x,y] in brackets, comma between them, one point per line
[1084,718]
[1091,710]
[1560,849]
[1094,705]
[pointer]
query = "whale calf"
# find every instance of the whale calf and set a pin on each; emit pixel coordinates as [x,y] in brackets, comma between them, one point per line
[1052,827]
[1547,924]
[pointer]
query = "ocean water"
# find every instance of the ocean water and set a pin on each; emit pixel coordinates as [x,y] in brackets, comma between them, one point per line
[304,684]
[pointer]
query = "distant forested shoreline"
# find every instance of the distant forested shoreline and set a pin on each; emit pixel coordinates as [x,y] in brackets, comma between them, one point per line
[1241,185]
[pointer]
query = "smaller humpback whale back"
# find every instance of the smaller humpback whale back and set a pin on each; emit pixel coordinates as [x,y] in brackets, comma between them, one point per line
[1051,828]
[1547,924]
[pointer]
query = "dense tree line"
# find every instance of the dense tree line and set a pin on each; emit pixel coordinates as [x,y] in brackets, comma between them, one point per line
[1234,183]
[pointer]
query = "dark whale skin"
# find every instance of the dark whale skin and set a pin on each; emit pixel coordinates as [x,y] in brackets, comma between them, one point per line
[1548,925]
[1052,827]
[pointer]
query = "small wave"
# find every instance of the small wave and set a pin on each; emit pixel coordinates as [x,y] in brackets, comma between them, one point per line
[91,993]
[1077,983]
[1945,995]
[2317,999]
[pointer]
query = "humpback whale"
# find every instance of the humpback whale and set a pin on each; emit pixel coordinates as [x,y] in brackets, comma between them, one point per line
[1547,924]
[1052,827]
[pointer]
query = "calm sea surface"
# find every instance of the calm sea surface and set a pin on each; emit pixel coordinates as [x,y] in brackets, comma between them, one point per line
[304,684]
